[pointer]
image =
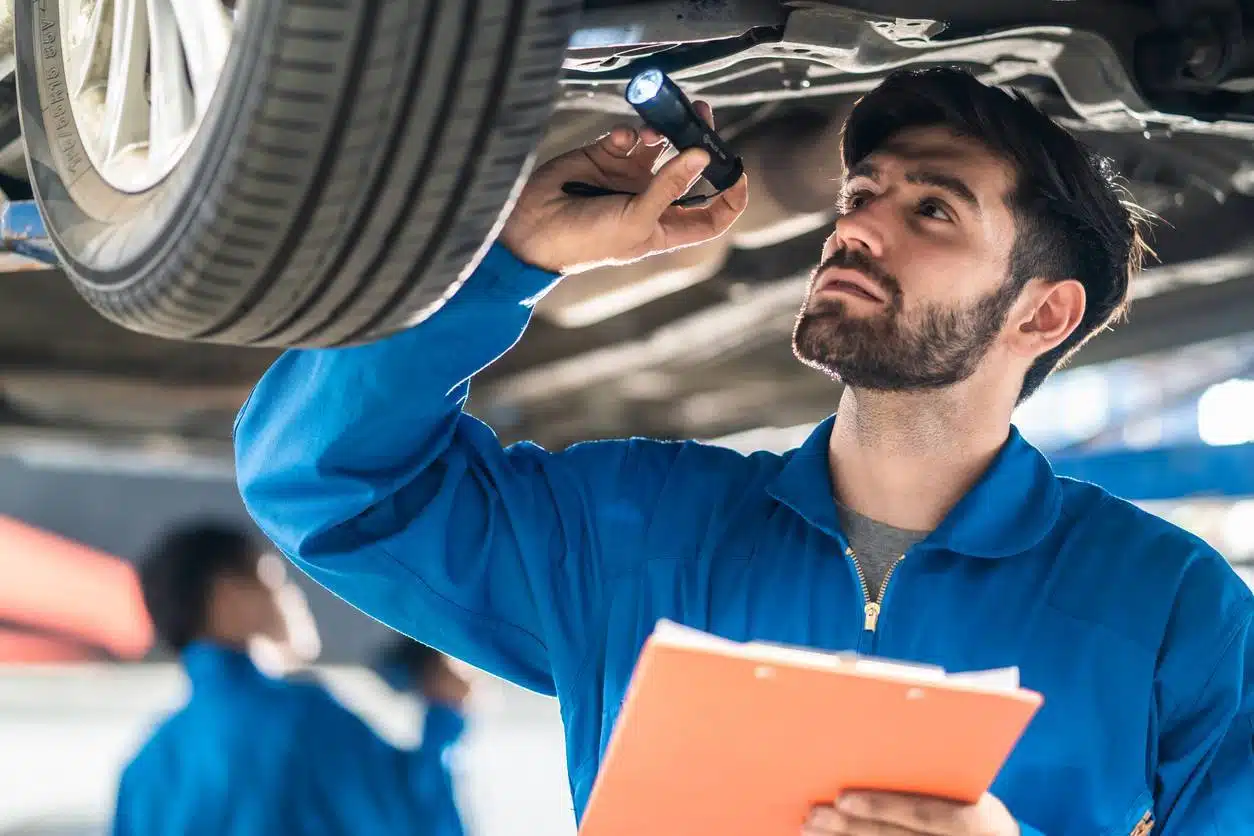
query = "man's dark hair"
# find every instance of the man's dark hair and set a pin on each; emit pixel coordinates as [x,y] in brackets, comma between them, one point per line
[177,576]
[1072,217]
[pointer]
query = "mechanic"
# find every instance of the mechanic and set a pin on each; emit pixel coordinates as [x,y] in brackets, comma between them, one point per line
[979,245]
[251,753]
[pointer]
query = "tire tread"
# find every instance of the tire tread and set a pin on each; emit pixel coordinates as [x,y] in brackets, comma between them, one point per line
[366,167]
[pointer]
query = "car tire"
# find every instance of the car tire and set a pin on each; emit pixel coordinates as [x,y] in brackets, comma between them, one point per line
[355,162]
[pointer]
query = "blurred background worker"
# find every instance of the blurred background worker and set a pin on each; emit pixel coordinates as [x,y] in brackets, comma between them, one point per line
[412,667]
[252,753]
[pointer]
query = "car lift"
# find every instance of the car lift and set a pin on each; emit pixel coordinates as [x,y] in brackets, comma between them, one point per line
[24,243]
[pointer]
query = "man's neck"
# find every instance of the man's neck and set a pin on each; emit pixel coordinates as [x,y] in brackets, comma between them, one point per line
[906,459]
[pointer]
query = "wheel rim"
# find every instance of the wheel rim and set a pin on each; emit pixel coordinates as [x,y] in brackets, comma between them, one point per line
[141,75]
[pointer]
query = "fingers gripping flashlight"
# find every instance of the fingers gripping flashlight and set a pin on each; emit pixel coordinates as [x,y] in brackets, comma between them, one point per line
[665,108]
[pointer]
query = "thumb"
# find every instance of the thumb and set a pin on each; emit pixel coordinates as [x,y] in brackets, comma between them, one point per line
[671,182]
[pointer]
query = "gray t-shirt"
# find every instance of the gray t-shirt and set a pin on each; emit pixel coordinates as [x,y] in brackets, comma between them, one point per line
[877,546]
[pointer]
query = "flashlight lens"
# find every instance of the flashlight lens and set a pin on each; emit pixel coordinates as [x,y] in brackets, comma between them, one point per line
[644,86]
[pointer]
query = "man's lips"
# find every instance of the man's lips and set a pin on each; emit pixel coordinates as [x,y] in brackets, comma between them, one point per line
[852,282]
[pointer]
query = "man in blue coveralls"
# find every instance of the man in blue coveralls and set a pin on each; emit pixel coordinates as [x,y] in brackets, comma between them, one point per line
[979,245]
[253,754]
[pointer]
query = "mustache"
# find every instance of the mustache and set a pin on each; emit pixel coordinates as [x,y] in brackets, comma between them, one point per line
[847,259]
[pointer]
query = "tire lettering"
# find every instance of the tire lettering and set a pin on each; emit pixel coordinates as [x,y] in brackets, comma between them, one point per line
[56,94]
[63,128]
[57,113]
[49,32]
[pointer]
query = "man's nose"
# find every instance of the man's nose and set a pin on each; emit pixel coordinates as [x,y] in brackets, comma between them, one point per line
[864,228]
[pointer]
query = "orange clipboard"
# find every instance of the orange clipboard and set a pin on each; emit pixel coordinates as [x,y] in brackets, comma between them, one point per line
[740,739]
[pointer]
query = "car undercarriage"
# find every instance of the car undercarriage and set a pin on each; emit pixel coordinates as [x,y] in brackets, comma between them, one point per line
[695,343]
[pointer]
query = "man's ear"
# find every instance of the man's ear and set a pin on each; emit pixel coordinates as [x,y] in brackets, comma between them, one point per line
[1045,315]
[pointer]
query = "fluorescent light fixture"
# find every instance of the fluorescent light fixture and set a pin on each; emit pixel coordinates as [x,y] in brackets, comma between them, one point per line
[1223,413]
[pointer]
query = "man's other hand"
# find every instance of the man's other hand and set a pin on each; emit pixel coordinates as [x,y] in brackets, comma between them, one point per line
[893,814]
[443,685]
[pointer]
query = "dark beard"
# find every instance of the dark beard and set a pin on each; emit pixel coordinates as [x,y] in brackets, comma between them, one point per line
[885,352]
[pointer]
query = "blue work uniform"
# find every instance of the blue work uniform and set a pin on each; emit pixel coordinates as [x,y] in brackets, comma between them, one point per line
[551,568]
[250,755]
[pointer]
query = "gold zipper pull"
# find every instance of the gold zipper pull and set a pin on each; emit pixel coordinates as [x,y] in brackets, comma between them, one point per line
[1145,825]
[872,616]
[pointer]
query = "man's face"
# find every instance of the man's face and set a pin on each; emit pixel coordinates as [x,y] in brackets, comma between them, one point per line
[267,611]
[914,287]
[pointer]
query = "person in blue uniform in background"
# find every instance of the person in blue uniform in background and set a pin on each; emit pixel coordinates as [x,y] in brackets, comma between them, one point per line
[253,753]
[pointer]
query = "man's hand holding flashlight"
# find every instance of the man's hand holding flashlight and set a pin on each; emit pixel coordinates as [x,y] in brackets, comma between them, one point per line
[570,234]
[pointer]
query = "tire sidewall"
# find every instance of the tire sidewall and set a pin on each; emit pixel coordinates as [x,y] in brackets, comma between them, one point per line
[109,239]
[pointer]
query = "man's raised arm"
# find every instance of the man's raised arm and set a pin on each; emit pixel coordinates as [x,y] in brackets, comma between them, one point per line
[361,466]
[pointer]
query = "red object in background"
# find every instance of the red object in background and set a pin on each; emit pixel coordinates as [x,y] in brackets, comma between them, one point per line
[65,601]
[21,648]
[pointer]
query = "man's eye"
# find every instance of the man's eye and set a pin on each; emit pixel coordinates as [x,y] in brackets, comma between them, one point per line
[856,199]
[934,209]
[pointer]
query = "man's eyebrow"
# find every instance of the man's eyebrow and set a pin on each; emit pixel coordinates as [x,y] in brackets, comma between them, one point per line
[866,169]
[947,182]
[954,185]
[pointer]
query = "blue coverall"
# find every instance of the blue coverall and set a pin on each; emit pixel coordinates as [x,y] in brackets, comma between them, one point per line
[551,568]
